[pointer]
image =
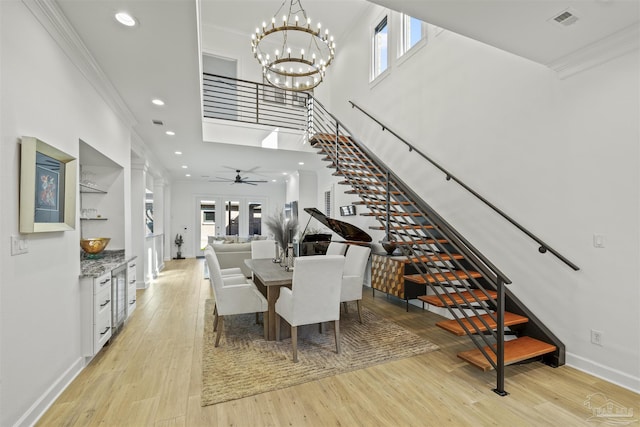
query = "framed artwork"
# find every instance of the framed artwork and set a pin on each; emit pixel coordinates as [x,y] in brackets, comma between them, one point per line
[47,188]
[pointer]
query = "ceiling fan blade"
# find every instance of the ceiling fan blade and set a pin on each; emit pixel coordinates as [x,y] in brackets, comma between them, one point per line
[251,181]
[248,182]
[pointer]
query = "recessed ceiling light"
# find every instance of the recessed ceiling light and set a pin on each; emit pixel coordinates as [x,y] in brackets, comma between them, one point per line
[179,153]
[125,19]
[184,166]
[157,102]
[273,180]
[170,132]
[301,163]
[188,175]
[284,173]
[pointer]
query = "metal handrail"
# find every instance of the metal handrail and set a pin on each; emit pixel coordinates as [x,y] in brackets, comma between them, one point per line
[544,247]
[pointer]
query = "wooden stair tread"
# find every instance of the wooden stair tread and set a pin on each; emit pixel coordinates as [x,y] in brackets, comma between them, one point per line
[421,241]
[478,295]
[343,172]
[327,137]
[384,214]
[402,227]
[515,351]
[357,181]
[379,202]
[455,328]
[435,258]
[371,191]
[446,276]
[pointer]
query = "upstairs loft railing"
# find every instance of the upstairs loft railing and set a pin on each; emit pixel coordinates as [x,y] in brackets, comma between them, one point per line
[243,101]
[543,248]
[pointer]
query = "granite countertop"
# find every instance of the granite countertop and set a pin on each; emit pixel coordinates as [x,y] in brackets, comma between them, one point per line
[105,262]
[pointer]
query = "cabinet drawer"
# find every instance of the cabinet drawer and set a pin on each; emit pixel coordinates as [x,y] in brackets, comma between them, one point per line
[101,283]
[102,303]
[102,329]
[131,274]
[131,299]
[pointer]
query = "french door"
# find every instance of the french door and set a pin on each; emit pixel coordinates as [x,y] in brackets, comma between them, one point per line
[227,216]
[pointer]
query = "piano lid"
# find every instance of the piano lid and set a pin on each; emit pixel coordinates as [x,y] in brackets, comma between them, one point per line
[343,229]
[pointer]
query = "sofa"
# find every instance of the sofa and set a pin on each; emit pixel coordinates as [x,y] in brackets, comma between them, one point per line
[231,251]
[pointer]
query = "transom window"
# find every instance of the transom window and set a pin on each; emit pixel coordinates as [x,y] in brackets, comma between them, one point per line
[413,30]
[380,47]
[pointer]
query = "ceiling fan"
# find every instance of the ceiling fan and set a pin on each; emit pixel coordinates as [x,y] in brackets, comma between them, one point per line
[238,179]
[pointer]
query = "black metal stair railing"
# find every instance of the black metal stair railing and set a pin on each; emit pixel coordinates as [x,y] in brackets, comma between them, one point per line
[543,248]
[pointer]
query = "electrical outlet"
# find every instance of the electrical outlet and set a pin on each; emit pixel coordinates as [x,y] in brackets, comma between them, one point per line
[596,337]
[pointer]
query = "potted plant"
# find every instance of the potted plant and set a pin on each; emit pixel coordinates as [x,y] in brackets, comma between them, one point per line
[179,241]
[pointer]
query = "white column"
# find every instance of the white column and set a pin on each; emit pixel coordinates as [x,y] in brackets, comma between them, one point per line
[159,188]
[138,226]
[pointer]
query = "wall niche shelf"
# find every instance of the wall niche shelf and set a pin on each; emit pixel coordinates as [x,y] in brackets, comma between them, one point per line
[84,188]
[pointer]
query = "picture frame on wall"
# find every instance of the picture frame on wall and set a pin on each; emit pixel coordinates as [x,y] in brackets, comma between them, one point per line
[47,188]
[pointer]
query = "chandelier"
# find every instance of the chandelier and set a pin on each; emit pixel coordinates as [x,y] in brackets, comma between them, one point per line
[294,55]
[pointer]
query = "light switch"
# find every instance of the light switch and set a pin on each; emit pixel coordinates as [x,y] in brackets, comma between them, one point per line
[18,246]
[598,240]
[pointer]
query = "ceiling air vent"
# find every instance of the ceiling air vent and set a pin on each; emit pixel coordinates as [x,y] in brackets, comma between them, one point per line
[157,122]
[565,18]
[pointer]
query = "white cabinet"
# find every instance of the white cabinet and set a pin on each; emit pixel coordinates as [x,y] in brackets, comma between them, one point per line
[96,312]
[131,287]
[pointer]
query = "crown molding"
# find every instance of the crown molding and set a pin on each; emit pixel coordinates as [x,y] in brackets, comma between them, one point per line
[604,50]
[58,26]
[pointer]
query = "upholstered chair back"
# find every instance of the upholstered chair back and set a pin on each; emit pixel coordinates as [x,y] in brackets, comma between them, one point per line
[336,248]
[263,249]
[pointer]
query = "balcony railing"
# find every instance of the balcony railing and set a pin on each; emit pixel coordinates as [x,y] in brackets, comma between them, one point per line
[243,101]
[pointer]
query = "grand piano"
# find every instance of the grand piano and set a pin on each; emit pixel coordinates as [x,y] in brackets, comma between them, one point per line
[317,244]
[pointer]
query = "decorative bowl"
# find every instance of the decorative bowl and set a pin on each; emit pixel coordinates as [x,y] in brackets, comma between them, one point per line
[389,246]
[94,245]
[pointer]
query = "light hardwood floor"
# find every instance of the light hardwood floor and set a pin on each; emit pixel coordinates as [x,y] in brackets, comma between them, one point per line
[150,375]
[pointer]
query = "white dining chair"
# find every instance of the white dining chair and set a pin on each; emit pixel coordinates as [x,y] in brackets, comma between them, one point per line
[235,271]
[355,266]
[233,295]
[314,296]
[263,249]
[336,248]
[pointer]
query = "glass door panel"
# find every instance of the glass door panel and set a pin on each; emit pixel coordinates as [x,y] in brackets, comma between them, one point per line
[207,221]
[232,218]
[255,218]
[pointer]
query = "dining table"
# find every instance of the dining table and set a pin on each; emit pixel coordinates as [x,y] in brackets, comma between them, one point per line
[269,277]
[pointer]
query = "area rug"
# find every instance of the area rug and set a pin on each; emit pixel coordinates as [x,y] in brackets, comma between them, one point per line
[245,364]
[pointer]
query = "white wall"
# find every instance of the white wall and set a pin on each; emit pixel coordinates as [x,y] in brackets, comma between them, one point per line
[559,156]
[184,196]
[43,95]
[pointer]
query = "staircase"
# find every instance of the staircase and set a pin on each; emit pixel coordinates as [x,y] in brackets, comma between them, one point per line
[458,277]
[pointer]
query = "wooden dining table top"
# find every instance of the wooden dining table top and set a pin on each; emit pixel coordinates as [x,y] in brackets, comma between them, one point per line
[269,273]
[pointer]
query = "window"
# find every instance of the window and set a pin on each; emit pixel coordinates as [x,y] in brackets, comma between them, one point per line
[413,30]
[380,47]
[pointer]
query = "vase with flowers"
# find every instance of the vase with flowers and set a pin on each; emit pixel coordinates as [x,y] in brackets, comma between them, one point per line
[283,230]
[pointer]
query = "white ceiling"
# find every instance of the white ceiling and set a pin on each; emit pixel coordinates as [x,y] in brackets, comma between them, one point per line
[160,58]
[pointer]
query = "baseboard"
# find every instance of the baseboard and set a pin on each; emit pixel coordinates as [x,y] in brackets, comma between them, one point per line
[43,403]
[603,372]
